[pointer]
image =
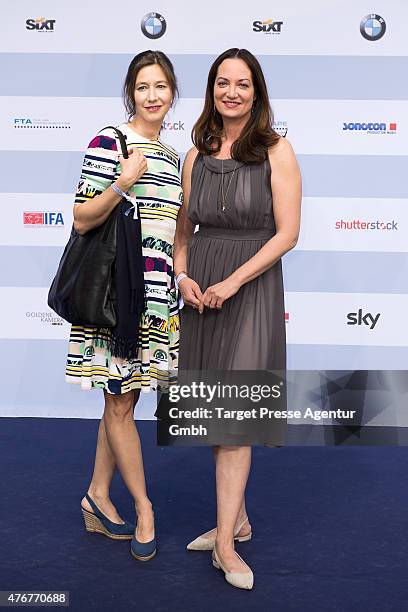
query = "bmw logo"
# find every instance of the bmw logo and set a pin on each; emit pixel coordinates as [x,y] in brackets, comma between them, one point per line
[153,25]
[372,27]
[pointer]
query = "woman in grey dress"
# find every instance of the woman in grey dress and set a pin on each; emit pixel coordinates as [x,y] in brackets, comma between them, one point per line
[242,188]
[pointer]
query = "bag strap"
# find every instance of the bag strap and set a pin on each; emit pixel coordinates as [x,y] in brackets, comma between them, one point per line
[121,138]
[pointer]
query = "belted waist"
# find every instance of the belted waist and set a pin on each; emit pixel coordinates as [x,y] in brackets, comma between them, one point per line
[207,231]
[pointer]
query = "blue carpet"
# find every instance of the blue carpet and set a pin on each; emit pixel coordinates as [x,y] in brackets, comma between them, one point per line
[330,526]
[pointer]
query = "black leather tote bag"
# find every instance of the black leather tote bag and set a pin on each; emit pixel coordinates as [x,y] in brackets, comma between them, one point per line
[83,290]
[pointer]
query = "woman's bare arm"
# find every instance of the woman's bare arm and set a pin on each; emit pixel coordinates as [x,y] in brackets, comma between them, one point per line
[190,290]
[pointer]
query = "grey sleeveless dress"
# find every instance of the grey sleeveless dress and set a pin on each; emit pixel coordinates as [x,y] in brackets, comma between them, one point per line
[248,333]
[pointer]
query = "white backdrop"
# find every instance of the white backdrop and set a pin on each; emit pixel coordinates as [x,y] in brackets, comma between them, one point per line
[344,100]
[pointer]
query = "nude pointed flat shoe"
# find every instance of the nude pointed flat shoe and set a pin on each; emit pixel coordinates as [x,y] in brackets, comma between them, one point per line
[201,543]
[244,580]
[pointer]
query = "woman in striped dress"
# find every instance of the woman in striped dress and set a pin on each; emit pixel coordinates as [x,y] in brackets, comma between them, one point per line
[151,176]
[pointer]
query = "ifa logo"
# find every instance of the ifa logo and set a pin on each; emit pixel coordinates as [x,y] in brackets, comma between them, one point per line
[359,318]
[43,219]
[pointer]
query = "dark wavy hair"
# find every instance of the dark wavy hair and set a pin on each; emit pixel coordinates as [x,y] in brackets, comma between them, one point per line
[258,134]
[141,60]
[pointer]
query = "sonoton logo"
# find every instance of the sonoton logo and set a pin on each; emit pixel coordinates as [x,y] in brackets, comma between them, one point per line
[370,128]
[372,27]
[40,24]
[153,25]
[268,26]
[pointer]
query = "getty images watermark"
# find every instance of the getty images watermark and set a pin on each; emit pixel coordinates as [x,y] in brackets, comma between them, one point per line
[234,408]
[254,393]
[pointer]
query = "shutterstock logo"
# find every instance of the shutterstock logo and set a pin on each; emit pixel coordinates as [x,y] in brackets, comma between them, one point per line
[177,126]
[358,224]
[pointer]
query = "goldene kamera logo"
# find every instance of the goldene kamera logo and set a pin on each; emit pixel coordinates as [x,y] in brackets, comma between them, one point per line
[372,27]
[40,24]
[46,317]
[281,127]
[153,25]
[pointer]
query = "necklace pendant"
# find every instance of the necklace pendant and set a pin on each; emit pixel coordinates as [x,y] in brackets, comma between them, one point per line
[223,206]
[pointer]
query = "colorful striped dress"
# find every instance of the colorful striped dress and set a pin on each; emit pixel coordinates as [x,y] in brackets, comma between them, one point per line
[159,197]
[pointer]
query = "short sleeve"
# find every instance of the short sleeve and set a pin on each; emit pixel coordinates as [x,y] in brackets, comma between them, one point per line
[99,166]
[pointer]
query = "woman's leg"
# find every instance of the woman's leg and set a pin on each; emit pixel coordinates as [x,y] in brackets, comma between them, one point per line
[232,469]
[245,526]
[124,442]
[104,469]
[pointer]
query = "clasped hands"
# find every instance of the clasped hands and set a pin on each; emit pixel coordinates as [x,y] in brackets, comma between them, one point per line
[213,297]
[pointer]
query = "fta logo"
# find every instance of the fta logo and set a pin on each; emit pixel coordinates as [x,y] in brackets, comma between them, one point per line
[268,26]
[43,219]
[23,122]
[359,318]
[40,24]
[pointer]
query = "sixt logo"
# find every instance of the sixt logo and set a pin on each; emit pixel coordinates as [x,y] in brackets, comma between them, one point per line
[371,128]
[173,125]
[40,24]
[47,219]
[268,26]
[357,318]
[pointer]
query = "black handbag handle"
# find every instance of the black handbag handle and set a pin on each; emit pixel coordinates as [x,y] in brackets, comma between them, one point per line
[122,140]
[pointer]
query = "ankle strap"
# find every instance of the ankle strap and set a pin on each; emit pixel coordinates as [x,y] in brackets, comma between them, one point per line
[241,525]
[94,507]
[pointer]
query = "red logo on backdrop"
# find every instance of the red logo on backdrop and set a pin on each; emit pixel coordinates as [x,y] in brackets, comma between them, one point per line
[393,127]
[33,218]
[286,317]
[47,218]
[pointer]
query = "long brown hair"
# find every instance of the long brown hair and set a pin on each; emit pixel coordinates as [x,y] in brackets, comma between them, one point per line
[141,60]
[258,134]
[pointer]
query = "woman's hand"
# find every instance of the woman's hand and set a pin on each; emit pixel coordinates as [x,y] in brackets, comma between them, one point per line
[191,292]
[215,296]
[132,168]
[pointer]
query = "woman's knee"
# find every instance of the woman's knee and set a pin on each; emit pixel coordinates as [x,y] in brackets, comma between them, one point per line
[233,449]
[119,407]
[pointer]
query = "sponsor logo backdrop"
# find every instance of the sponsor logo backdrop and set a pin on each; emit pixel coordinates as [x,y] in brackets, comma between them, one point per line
[339,94]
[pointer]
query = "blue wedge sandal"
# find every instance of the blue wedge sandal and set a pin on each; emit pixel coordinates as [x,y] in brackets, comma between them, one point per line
[143,551]
[97,522]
